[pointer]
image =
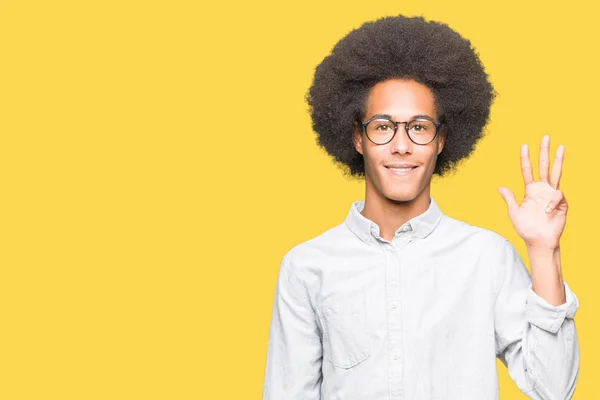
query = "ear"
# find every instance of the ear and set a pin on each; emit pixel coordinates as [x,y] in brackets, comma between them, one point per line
[357,138]
[441,142]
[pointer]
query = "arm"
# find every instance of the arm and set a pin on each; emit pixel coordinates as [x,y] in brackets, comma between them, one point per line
[294,355]
[547,281]
[542,354]
[537,341]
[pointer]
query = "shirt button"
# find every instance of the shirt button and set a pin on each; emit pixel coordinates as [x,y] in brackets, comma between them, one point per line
[396,357]
[394,304]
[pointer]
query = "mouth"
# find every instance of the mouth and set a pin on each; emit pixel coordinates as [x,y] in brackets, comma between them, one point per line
[401,171]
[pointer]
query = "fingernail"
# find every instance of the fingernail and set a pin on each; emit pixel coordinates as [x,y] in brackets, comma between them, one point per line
[547,209]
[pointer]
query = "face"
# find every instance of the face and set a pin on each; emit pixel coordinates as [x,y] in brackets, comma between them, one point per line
[402,100]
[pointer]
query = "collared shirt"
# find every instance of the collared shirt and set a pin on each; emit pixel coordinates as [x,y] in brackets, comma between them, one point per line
[423,316]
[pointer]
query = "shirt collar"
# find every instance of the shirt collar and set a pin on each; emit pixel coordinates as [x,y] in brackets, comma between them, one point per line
[367,230]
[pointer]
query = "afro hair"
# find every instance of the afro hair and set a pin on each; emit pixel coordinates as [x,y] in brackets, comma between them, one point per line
[428,52]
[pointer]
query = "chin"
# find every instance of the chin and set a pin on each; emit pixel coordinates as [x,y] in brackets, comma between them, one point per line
[402,197]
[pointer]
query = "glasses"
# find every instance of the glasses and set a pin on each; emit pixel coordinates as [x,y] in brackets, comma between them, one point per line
[420,130]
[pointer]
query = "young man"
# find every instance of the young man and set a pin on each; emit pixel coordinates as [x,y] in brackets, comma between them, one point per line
[401,301]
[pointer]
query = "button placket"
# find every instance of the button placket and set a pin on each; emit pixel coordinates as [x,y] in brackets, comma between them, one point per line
[394,320]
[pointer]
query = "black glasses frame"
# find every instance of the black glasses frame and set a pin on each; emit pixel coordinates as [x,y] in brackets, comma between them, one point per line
[406,123]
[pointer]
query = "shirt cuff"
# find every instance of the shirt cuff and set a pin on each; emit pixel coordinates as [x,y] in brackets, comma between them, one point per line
[546,316]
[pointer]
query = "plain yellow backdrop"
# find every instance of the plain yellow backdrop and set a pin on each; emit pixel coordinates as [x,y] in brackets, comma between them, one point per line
[157,161]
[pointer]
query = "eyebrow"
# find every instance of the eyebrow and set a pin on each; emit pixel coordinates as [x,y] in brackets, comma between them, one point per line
[388,116]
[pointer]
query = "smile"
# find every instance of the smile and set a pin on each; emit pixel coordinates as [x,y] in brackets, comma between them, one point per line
[401,171]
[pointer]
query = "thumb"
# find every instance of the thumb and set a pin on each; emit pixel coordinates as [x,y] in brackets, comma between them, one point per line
[508,197]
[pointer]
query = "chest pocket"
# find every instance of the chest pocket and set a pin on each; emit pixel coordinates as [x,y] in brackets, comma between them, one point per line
[346,340]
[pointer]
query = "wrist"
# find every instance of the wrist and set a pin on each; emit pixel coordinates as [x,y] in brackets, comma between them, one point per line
[543,254]
[542,248]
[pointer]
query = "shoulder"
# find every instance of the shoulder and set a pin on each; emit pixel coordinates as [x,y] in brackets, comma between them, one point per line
[485,246]
[317,248]
[476,237]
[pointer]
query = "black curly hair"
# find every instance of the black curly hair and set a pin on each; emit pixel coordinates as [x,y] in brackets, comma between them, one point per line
[428,52]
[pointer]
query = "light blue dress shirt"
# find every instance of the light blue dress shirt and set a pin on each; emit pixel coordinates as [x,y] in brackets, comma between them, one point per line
[423,316]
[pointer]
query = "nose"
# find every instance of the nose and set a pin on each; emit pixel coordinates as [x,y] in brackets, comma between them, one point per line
[401,143]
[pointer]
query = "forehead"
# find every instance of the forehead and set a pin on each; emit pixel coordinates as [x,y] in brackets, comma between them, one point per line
[400,98]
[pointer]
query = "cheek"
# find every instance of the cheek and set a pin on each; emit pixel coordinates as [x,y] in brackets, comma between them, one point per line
[371,154]
[432,152]
[371,161]
[376,158]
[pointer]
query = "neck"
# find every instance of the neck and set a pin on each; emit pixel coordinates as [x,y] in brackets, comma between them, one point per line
[390,215]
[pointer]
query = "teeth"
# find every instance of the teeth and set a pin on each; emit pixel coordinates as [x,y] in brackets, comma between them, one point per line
[401,169]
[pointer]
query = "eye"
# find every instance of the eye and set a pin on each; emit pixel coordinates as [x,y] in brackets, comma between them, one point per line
[381,126]
[421,126]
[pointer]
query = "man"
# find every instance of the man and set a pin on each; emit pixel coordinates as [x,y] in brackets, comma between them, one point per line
[401,301]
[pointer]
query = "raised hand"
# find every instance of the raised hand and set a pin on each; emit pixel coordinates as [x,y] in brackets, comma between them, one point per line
[541,217]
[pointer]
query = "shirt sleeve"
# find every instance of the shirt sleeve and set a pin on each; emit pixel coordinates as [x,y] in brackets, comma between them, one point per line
[294,355]
[534,339]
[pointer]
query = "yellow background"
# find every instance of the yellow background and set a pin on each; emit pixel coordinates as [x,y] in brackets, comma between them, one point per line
[157,161]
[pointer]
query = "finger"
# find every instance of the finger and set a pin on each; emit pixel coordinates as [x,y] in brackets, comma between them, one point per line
[508,197]
[555,200]
[557,167]
[544,158]
[526,168]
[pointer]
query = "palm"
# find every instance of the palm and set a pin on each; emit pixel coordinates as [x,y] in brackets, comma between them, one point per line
[531,220]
